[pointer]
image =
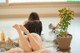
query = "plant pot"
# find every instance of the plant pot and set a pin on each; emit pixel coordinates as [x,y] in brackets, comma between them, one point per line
[64,42]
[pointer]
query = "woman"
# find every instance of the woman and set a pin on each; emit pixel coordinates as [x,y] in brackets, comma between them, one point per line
[34,25]
[31,42]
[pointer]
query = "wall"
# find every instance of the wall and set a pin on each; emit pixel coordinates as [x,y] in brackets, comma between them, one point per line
[48,9]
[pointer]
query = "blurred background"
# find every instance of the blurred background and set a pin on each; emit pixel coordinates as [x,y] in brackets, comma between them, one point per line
[17,11]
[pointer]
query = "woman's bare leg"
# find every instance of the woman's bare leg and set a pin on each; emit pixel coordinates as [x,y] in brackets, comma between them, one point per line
[34,43]
[15,50]
[22,40]
[41,51]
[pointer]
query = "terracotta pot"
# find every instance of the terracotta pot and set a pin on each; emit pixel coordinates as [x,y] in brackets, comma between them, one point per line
[64,42]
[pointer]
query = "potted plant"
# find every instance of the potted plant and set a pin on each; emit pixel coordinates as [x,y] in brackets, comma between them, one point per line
[63,37]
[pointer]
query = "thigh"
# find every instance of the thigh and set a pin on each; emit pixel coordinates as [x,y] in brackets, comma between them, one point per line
[23,45]
[41,51]
[37,38]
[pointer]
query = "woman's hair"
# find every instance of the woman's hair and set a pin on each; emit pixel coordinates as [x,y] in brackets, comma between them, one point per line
[33,16]
[34,26]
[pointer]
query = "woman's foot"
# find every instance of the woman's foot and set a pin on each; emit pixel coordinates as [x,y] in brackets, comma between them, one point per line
[16,26]
[24,29]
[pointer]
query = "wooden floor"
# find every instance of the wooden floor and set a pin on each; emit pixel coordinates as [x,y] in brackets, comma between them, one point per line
[74,29]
